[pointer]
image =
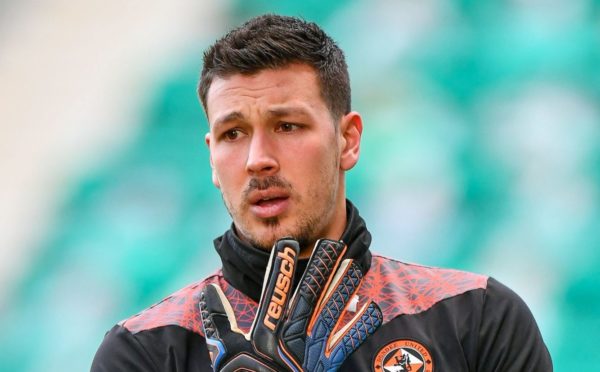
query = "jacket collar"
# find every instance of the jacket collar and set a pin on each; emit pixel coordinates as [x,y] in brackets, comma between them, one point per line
[244,266]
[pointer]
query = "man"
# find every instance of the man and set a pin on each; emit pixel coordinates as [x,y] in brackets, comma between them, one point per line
[282,135]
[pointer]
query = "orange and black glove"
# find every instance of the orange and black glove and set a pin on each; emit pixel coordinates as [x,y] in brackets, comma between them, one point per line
[296,334]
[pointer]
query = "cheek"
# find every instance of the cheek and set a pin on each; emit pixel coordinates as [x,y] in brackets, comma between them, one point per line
[322,155]
[312,165]
[227,170]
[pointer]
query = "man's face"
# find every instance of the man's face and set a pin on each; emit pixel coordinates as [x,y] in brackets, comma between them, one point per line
[277,156]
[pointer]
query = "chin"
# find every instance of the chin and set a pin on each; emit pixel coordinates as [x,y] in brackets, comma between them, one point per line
[269,235]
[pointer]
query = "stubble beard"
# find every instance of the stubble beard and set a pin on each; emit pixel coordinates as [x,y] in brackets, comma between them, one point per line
[310,224]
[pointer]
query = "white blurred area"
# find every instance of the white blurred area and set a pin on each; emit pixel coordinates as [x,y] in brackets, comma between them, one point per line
[74,76]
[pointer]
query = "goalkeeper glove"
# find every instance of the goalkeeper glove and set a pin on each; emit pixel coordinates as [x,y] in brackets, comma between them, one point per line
[292,335]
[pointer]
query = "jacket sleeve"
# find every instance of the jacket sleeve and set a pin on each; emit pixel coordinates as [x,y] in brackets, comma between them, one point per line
[509,338]
[121,351]
[166,348]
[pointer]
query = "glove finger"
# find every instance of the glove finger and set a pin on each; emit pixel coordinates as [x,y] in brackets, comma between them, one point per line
[275,296]
[345,341]
[219,324]
[343,286]
[306,301]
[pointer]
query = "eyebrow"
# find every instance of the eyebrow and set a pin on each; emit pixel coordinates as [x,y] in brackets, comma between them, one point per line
[232,116]
[284,111]
[273,112]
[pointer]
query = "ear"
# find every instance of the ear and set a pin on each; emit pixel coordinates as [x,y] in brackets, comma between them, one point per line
[215,180]
[350,134]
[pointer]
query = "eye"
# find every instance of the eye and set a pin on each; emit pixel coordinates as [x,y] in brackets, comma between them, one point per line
[232,134]
[287,127]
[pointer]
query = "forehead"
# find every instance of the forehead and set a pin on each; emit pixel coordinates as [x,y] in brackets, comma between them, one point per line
[295,84]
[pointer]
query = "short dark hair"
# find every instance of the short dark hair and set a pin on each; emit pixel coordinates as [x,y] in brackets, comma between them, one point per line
[273,41]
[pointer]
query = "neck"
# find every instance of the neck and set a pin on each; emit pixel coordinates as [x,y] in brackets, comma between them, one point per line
[333,231]
[244,266]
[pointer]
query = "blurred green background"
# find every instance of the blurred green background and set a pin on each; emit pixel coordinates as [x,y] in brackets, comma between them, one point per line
[481,151]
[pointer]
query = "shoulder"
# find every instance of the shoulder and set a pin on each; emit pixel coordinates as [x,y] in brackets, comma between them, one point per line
[499,294]
[501,303]
[170,348]
[165,334]
[406,288]
[178,309]
[181,308]
[509,337]
[120,351]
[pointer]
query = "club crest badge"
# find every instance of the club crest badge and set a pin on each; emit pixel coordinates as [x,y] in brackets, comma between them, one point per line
[403,355]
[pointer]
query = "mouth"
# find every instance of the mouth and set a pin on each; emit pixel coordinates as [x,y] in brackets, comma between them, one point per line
[268,203]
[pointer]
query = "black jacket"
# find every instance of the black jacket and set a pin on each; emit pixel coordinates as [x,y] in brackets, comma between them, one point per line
[434,319]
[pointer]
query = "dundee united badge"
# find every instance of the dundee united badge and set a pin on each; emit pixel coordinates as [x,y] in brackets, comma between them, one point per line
[403,355]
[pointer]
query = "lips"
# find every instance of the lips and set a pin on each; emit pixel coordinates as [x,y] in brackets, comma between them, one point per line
[268,203]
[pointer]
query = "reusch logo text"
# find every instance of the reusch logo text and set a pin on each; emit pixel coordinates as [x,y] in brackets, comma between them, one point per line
[282,287]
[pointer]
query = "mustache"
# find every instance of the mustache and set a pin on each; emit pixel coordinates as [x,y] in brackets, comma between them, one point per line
[265,183]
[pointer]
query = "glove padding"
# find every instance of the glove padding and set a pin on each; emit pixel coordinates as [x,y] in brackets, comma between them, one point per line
[297,337]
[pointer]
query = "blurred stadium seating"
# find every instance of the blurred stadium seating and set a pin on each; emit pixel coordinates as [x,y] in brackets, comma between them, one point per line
[481,152]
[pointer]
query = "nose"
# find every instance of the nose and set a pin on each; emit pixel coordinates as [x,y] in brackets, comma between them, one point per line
[261,158]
